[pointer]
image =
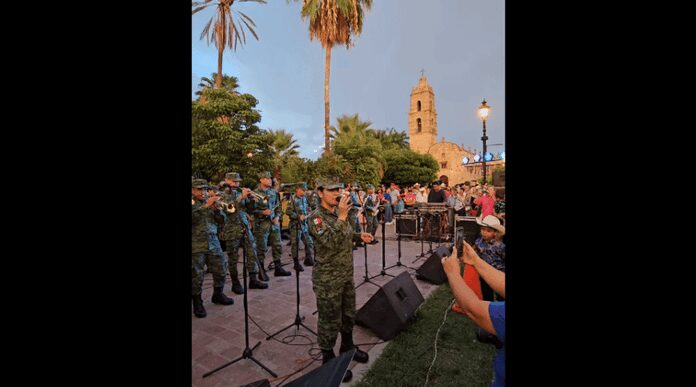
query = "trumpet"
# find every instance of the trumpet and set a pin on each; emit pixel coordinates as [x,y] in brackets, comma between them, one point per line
[254,195]
[229,207]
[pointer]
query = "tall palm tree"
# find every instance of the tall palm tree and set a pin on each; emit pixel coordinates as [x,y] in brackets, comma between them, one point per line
[283,147]
[229,83]
[225,31]
[333,22]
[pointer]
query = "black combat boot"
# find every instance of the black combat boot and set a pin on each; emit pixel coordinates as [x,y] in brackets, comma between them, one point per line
[328,355]
[220,298]
[309,261]
[198,308]
[236,286]
[347,345]
[297,265]
[279,271]
[256,284]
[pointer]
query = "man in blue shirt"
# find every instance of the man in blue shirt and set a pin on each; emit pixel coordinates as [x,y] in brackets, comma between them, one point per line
[488,315]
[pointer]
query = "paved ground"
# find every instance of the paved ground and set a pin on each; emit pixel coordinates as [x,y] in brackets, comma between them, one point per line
[219,338]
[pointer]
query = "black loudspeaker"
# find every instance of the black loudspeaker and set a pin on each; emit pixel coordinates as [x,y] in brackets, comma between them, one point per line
[391,308]
[431,270]
[406,225]
[499,178]
[329,374]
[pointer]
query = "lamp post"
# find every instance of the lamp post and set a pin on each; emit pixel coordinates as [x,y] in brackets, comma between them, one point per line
[483,111]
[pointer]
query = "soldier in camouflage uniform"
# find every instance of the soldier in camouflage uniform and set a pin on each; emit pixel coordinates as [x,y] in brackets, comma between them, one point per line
[371,211]
[237,226]
[297,211]
[205,248]
[313,198]
[267,224]
[332,276]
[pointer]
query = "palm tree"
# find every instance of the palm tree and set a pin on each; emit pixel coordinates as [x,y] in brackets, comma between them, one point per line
[225,32]
[350,124]
[283,147]
[333,22]
[229,83]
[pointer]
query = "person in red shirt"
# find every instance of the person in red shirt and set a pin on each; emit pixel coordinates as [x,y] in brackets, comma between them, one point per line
[487,203]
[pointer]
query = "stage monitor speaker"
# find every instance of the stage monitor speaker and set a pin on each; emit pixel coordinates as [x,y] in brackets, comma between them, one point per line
[431,270]
[389,310]
[329,374]
[406,225]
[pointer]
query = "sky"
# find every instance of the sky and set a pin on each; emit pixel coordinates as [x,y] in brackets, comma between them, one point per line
[459,44]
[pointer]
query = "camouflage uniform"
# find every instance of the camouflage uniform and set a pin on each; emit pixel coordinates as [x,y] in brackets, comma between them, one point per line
[371,205]
[206,250]
[236,224]
[299,206]
[332,276]
[264,229]
[312,199]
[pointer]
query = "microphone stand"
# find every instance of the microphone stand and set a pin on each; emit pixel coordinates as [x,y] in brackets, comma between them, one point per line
[247,353]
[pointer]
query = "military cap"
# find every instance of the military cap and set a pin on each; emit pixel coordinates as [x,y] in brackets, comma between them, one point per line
[329,183]
[265,175]
[234,176]
[302,185]
[199,183]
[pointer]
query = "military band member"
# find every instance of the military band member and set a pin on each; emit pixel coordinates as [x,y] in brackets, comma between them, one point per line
[332,277]
[236,228]
[267,215]
[297,211]
[371,211]
[205,247]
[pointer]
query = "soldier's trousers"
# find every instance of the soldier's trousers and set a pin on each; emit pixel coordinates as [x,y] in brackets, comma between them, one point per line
[263,232]
[336,306]
[306,239]
[216,262]
[372,224]
[250,250]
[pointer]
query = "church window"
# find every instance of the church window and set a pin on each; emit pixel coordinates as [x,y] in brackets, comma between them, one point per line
[418,120]
[419,106]
[443,165]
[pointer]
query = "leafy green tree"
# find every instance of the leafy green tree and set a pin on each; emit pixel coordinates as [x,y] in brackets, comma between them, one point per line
[406,167]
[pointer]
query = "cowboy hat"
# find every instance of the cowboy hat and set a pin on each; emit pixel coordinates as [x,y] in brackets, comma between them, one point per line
[492,222]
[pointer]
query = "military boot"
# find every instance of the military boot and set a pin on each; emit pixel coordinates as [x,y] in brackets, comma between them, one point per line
[256,284]
[198,308]
[347,345]
[220,298]
[279,271]
[309,261]
[236,285]
[297,265]
[328,355]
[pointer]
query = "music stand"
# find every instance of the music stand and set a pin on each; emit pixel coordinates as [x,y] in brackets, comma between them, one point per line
[248,352]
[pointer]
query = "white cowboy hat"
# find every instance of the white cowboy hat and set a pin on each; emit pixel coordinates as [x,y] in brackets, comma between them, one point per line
[492,222]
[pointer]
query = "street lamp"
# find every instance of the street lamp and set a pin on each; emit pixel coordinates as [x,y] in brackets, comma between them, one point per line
[483,111]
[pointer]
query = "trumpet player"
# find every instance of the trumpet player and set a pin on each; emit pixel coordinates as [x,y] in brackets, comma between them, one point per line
[236,228]
[297,211]
[205,247]
[267,217]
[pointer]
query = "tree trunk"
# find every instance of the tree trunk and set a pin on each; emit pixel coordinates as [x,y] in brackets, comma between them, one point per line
[221,47]
[327,69]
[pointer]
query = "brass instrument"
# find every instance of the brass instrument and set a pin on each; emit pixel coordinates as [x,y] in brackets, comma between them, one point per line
[254,195]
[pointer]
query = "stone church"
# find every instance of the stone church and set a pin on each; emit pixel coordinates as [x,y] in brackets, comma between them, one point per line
[422,131]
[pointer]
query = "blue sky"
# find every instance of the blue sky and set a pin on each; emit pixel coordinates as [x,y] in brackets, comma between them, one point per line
[460,44]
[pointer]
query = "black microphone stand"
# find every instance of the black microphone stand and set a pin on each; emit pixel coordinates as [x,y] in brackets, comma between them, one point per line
[367,275]
[383,272]
[298,320]
[247,353]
